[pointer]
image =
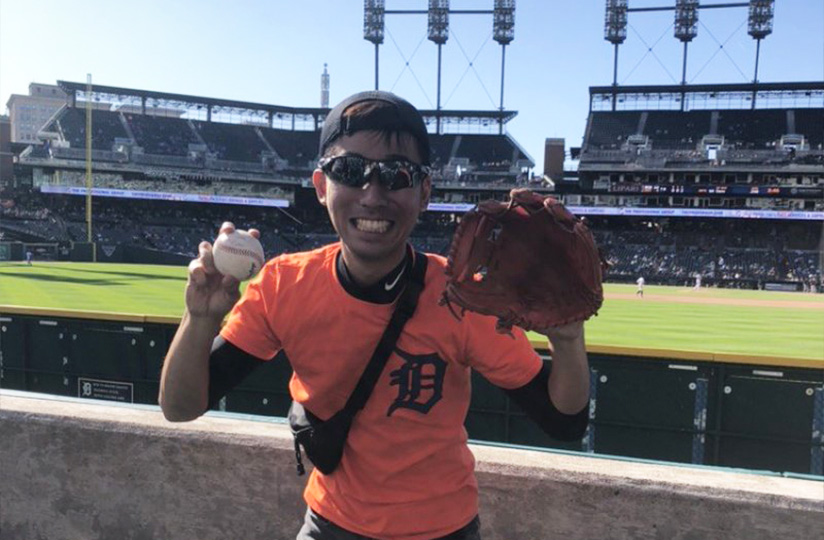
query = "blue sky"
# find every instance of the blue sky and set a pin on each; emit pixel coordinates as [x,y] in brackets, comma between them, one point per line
[273,51]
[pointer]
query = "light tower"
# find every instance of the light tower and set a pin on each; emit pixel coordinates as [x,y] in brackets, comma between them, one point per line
[438,14]
[503,31]
[324,88]
[759,26]
[615,31]
[373,25]
[438,33]
[686,27]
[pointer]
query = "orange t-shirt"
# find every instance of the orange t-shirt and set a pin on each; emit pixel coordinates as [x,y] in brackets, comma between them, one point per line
[407,472]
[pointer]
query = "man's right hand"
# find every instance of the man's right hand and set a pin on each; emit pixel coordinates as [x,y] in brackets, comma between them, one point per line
[210,294]
[184,381]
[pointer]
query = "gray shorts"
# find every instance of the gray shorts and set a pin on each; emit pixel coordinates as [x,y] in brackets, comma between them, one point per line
[316,527]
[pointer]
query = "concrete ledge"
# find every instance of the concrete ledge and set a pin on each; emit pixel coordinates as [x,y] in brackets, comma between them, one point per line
[72,469]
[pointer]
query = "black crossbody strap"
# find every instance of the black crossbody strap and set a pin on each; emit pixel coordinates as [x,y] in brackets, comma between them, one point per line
[404,310]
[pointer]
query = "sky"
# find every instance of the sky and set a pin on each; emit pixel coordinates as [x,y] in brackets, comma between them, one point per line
[274,51]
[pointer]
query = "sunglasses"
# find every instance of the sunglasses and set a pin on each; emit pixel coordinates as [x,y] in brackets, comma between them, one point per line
[356,171]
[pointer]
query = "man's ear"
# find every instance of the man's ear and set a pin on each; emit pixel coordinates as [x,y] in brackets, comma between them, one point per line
[426,193]
[319,181]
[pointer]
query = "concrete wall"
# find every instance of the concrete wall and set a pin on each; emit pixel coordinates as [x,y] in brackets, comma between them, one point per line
[72,469]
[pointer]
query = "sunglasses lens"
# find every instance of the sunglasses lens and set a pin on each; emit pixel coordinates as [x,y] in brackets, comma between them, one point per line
[395,176]
[346,170]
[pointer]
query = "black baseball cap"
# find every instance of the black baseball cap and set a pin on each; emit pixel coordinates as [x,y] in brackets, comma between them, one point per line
[402,116]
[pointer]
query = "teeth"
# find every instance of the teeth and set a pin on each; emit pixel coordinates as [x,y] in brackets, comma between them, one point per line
[372,225]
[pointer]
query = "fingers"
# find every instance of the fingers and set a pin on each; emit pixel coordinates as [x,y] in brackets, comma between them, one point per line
[230,285]
[205,256]
[228,227]
[197,274]
[201,268]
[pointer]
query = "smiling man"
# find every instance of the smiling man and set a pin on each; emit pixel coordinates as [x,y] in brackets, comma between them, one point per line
[406,471]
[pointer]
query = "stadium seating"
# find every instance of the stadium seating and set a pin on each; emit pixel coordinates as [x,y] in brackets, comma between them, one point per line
[443,148]
[676,130]
[610,129]
[299,148]
[726,252]
[180,143]
[752,129]
[159,135]
[489,152]
[106,126]
[232,142]
[741,128]
[810,123]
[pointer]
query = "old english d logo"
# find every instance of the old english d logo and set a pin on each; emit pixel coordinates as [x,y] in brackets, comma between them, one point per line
[419,381]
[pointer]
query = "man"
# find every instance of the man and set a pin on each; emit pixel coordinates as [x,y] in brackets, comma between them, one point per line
[407,472]
[640,290]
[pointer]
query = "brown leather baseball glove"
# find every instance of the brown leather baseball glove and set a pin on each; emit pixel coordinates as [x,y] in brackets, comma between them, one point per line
[529,262]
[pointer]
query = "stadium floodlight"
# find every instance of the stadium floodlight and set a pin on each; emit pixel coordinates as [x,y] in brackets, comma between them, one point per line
[686,19]
[760,21]
[503,21]
[760,25]
[503,31]
[615,31]
[373,20]
[615,22]
[438,21]
[438,34]
[374,14]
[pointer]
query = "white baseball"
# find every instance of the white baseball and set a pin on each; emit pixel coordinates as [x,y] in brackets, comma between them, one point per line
[238,254]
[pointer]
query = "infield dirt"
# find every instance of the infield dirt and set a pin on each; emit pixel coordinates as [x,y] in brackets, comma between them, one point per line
[717,301]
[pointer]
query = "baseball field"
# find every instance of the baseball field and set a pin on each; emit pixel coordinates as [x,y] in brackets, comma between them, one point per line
[713,321]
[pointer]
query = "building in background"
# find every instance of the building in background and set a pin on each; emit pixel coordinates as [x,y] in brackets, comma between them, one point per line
[554,150]
[6,160]
[28,114]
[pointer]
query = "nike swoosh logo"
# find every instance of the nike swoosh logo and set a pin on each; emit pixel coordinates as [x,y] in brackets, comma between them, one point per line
[390,286]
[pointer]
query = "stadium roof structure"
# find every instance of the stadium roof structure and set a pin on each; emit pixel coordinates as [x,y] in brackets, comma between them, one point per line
[312,116]
[708,96]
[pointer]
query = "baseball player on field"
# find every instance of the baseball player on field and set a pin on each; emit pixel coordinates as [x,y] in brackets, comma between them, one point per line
[406,472]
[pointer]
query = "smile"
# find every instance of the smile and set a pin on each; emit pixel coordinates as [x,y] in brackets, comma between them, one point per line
[372,225]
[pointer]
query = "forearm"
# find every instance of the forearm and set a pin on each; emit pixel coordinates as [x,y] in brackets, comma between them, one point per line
[569,379]
[184,382]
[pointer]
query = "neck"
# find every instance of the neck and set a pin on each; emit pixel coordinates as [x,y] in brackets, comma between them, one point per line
[366,272]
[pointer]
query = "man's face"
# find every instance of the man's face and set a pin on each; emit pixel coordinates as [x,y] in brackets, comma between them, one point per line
[373,222]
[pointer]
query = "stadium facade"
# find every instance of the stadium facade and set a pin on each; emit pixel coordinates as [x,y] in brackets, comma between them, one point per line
[660,168]
[664,168]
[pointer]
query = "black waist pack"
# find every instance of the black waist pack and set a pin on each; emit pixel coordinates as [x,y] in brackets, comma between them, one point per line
[323,441]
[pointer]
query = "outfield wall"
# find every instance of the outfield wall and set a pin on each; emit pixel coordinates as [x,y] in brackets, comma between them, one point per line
[74,468]
[689,408]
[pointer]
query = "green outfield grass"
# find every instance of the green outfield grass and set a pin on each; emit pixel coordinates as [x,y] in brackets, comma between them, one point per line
[122,288]
[764,330]
[708,320]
